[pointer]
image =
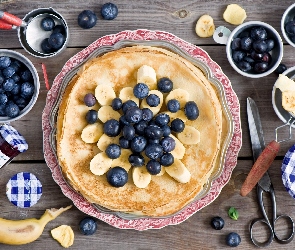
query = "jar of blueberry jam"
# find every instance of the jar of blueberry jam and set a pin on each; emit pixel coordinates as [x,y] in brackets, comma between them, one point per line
[12,143]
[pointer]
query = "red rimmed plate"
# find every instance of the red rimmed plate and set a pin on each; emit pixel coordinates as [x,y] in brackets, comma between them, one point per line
[217,184]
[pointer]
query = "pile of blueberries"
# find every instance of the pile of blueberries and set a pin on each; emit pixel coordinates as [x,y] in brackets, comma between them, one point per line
[57,37]
[141,131]
[16,86]
[290,29]
[251,50]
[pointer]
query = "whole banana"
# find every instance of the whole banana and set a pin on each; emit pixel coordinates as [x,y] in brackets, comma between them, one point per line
[19,232]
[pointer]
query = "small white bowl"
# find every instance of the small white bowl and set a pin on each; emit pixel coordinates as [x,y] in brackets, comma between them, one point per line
[276,53]
[288,15]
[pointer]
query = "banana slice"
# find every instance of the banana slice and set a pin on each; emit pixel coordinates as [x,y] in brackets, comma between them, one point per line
[127,94]
[104,94]
[105,140]
[141,177]
[284,83]
[180,95]
[64,235]
[189,135]
[179,172]
[146,74]
[179,150]
[234,14]
[106,113]
[155,110]
[123,161]
[100,164]
[92,132]
[205,26]
[288,100]
[163,171]
[179,114]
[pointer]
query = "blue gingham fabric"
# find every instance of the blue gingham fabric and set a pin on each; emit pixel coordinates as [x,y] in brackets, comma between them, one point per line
[288,171]
[24,189]
[13,137]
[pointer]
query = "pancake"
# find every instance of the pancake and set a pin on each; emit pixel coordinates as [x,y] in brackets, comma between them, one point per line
[164,195]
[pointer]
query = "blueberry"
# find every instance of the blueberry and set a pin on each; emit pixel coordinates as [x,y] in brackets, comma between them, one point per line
[3,99]
[117,103]
[111,128]
[217,223]
[26,75]
[140,127]
[165,85]
[256,56]
[138,144]
[12,110]
[1,79]
[260,67]
[266,57]
[153,132]
[133,115]
[168,144]
[56,40]
[166,130]
[162,119]
[153,151]
[141,90]
[233,239]
[147,114]
[153,141]
[8,84]
[109,11]
[236,44]
[88,226]
[270,44]
[26,89]
[260,46]
[244,66]
[87,19]
[91,116]
[59,29]
[238,55]
[153,100]
[290,27]
[128,132]
[15,78]
[258,33]
[173,105]
[89,100]
[128,104]
[47,23]
[246,43]
[136,160]
[46,47]
[167,159]
[113,151]
[249,60]
[124,143]
[123,121]
[16,65]
[153,167]
[4,62]
[244,33]
[2,110]
[191,110]
[21,103]
[177,125]
[281,68]
[117,176]
[8,72]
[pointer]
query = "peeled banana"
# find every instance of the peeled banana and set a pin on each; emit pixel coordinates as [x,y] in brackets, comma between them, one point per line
[64,235]
[106,113]
[100,163]
[92,132]
[146,74]
[189,135]
[178,171]
[205,26]
[141,177]
[104,94]
[19,232]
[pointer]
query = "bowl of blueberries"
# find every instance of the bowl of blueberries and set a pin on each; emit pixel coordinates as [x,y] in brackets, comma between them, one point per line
[46,33]
[254,49]
[19,85]
[288,25]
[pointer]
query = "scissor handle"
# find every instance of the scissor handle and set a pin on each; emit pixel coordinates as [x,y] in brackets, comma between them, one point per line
[12,19]
[291,236]
[271,233]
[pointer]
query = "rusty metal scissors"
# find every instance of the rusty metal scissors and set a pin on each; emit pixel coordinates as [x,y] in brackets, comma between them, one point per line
[265,185]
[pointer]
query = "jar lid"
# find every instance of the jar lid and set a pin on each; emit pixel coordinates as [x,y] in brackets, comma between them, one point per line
[24,189]
[288,171]
[13,137]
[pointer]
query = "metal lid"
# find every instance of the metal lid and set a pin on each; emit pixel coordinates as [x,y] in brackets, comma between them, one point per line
[24,190]
[13,137]
[288,171]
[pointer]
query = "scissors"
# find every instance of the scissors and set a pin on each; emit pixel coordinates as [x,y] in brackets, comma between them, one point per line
[265,185]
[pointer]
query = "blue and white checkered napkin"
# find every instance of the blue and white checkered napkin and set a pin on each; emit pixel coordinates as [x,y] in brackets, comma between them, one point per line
[13,137]
[288,171]
[24,190]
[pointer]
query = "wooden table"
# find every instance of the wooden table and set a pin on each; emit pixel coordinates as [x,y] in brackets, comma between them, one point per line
[179,18]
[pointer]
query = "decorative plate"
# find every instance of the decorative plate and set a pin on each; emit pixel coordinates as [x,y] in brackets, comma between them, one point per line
[230,156]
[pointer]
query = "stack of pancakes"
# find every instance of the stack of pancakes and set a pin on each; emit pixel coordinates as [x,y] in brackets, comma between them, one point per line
[164,195]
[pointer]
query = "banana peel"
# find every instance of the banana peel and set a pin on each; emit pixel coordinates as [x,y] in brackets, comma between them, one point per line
[19,232]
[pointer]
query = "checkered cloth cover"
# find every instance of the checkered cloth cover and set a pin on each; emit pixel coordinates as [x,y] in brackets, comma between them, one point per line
[288,171]
[24,190]
[13,137]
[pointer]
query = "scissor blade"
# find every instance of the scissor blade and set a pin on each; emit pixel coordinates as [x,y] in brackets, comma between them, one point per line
[257,139]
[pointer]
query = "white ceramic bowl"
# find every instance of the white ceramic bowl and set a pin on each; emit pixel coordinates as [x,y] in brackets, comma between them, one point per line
[276,52]
[288,15]
[30,66]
